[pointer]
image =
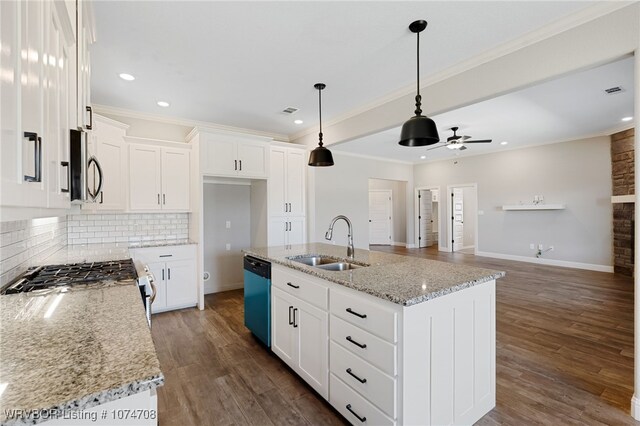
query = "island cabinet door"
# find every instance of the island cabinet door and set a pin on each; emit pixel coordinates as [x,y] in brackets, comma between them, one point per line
[282,332]
[312,332]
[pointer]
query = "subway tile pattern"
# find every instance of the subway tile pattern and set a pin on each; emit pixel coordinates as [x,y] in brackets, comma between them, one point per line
[127,228]
[25,242]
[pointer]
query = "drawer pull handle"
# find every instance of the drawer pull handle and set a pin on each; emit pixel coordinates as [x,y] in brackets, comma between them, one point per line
[356,314]
[360,345]
[354,376]
[362,419]
[292,285]
[166,255]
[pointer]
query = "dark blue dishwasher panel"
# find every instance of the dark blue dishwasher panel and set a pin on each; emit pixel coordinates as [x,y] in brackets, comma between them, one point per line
[257,298]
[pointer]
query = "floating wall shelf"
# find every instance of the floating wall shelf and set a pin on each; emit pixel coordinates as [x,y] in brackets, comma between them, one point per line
[623,199]
[534,207]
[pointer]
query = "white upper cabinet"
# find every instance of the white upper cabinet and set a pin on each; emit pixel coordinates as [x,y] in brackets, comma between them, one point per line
[36,103]
[159,178]
[85,38]
[176,166]
[108,147]
[233,156]
[287,181]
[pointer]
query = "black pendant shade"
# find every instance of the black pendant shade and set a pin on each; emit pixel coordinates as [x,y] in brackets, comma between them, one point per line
[419,130]
[321,156]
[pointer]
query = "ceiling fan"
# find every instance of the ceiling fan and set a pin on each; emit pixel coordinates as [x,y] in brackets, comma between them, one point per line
[458,142]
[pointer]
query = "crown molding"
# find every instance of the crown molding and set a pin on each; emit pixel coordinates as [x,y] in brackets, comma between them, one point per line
[543,33]
[202,125]
[110,121]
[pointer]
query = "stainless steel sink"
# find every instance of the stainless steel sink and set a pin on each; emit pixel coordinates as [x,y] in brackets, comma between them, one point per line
[339,266]
[325,262]
[313,260]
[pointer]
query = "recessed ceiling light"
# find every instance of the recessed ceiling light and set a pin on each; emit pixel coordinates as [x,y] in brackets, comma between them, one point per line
[504,143]
[127,77]
[422,157]
[627,119]
[163,104]
[298,121]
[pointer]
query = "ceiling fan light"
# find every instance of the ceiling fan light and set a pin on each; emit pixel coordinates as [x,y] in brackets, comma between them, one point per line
[321,157]
[453,146]
[419,131]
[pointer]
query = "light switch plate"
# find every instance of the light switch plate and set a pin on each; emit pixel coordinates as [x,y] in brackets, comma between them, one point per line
[228,225]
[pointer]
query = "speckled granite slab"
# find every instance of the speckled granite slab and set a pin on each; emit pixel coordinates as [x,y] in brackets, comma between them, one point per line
[82,253]
[74,350]
[399,279]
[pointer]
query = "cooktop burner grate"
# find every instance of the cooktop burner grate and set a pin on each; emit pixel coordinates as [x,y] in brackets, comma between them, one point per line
[76,273]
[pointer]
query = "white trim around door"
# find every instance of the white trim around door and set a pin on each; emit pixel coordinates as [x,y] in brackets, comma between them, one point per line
[449,217]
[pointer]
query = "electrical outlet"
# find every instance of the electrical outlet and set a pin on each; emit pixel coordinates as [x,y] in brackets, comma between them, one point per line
[228,246]
[532,246]
[228,226]
[540,247]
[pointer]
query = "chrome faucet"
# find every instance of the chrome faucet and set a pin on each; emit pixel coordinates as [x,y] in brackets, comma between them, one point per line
[329,234]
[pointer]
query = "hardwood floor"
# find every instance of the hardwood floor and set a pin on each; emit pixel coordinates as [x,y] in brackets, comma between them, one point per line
[564,355]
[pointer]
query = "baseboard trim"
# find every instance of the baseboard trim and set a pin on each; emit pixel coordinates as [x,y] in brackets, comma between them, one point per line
[220,288]
[397,243]
[550,262]
[410,246]
[635,407]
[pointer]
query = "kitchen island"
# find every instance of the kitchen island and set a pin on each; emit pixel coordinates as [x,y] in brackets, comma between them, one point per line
[390,339]
[80,355]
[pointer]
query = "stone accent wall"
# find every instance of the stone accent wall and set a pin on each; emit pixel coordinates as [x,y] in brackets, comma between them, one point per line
[622,177]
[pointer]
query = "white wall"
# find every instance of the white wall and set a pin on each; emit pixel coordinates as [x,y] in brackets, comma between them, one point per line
[576,173]
[344,189]
[399,199]
[224,203]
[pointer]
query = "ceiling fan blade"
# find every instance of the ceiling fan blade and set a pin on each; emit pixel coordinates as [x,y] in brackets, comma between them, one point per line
[480,141]
[436,147]
[466,137]
[462,148]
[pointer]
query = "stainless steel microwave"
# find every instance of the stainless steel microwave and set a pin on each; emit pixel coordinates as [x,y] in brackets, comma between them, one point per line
[86,176]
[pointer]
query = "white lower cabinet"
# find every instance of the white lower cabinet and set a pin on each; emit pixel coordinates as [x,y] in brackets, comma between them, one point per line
[381,363]
[299,336]
[174,271]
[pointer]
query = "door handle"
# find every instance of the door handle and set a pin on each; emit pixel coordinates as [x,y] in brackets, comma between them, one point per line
[240,165]
[354,376]
[162,274]
[37,157]
[90,125]
[362,419]
[295,324]
[360,345]
[356,314]
[169,273]
[158,198]
[66,164]
[235,166]
[289,207]
[97,190]
[101,197]
[164,199]
[290,320]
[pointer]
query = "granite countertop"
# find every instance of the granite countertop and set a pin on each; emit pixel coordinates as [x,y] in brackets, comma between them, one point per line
[400,279]
[83,253]
[74,349]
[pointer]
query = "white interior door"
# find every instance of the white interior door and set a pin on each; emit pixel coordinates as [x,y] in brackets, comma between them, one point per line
[380,217]
[425,204]
[457,207]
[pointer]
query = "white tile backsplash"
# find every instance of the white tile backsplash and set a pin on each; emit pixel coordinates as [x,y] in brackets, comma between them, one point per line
[127,227]
[25,243]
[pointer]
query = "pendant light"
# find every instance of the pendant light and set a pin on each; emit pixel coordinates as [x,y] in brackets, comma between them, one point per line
[419,130]
[321,156]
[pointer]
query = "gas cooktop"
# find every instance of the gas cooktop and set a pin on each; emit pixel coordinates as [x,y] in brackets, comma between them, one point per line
[43,277]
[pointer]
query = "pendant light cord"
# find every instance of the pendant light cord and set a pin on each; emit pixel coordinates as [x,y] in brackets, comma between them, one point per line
[320,110]
[418,110]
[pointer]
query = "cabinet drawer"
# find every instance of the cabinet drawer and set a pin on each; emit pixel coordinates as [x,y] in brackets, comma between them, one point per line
[365,314]
[342,396]
[376,351]
[164,254]
[378,388]
[297,284]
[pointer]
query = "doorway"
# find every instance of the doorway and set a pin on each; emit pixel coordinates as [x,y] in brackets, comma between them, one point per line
[380,217]
[462,226]
[428,217]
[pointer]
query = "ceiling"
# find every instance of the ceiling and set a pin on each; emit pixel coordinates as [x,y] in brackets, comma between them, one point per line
[567,108]
[241,63]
